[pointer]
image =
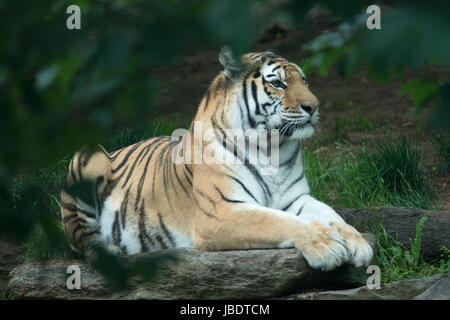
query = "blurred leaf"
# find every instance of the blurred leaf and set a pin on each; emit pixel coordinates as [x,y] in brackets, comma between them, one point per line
[421,90]
[118,269]
[46,76]
[329,60]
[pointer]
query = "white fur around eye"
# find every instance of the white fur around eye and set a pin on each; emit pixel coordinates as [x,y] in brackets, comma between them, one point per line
[282,85]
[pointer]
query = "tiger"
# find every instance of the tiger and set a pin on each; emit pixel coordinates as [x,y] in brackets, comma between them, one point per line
[147,197]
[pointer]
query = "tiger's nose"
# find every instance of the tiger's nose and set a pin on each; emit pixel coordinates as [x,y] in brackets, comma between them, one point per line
[309,108]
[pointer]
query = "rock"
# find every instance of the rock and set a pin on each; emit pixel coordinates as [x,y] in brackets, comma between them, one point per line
[236,274]
[10,257]
[438,291]
[436,287]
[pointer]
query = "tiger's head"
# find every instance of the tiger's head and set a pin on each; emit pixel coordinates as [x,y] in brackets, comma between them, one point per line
[275,93]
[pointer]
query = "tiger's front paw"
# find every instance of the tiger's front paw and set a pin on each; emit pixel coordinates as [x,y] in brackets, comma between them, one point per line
[323,247]
[360,252]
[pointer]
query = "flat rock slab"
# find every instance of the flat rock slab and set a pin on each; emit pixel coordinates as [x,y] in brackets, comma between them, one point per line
[431,288]
[10,257]
[237,274]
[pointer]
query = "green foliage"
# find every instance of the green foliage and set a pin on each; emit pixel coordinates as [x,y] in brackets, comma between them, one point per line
[6,296]
[130,135]
[442,146]
[391,174]
[38,246]
[421,90]
[399,165]
[401,44]
[397,262]
[340,128]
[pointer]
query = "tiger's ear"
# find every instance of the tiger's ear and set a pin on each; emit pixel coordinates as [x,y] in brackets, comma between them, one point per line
[273,51]
[233,68]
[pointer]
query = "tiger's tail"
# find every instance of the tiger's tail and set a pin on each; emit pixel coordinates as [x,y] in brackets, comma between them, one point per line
[81,198]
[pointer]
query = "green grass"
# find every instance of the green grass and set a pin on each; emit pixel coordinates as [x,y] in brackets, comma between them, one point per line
[397,262]
[5,296]
[340,128]
[128,136]
[442,146]
[343,124]
[390,175]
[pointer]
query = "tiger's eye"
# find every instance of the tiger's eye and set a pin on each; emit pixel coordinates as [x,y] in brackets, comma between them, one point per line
[276,83]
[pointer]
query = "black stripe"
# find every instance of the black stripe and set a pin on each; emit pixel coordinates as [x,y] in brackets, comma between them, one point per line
[267,92]
[123,208]
[99,204]
[245,161]
[209,199]
[187,168]
[301,209]
[219,85]
[174,167]
[90,215]
[255,173]
[273,61]
[165,230]
[125,159]
[292,202]
[69,206]
[294,156]
[206,197]
[225,198]
[243,187]
[255,98]
[276,68]
[224,140]
[115,154]
[250,119]
[115,231]
[67,218]
[141,180]
[161,241]
[77,228]
[111,184]
[133,166]
[142,228]
[164,163]
[146,149]
[265,105]
[187,177]
[73,208]
[296,180]
[207,96]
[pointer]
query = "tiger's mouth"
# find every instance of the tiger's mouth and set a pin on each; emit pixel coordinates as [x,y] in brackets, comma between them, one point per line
[287,128]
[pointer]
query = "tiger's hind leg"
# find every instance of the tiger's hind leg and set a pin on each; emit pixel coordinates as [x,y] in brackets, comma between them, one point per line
[81,199]
[80,223]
